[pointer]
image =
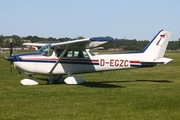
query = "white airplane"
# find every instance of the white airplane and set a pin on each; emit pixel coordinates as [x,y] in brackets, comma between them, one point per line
[74,57]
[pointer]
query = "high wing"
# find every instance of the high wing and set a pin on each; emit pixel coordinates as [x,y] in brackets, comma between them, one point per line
[86,43]
[38,45]
[79,45]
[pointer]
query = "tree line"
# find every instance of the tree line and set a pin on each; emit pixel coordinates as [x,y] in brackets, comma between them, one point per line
[126,44]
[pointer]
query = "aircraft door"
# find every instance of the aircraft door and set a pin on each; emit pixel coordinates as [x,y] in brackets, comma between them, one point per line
[78,62]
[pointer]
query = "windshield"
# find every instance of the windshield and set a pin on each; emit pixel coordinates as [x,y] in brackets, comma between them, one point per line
[45,50]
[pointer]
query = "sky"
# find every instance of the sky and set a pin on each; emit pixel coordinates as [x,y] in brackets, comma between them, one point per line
[130,19]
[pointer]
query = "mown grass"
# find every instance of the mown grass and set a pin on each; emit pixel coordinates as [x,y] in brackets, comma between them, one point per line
[136,94]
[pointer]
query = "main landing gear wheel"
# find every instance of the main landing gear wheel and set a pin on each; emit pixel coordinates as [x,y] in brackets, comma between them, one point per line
[74,80]
[56,79]
[29,81]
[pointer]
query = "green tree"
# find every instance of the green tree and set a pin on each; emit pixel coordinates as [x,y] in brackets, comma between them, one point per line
[52,39]
[64,39]
[173,45]
[80,37]
[1,40]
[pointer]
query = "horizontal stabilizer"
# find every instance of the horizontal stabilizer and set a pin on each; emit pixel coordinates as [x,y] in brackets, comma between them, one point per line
[164,60]
[155,62]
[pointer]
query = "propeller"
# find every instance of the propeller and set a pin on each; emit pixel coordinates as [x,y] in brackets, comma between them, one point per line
[11,53]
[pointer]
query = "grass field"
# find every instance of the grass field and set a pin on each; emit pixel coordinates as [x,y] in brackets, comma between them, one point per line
[136,94]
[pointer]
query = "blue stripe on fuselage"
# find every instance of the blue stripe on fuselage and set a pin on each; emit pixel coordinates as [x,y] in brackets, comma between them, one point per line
[63,61]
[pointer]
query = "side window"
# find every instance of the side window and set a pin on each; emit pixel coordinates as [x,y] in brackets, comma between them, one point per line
[80,54]
[85,54]
[76,54]
[69,54]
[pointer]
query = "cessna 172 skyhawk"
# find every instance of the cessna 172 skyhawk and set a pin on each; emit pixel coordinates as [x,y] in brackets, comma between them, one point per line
[73,57]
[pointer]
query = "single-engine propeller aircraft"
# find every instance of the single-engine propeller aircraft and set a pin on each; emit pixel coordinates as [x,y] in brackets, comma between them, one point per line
[74,57]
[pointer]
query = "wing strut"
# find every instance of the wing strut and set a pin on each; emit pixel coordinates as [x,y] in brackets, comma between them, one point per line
[65,50]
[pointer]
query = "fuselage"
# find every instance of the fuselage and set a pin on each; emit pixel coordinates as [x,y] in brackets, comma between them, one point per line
[37,63]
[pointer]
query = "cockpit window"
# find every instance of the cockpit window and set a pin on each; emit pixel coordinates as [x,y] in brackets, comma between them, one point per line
[46,50]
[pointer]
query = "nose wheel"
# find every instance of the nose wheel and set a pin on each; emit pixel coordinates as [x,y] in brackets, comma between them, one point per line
[29,81]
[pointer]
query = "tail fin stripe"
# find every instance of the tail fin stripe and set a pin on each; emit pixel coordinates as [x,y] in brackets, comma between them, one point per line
[158,42]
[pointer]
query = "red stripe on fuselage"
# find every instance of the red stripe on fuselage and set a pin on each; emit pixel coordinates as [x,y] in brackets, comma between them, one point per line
[131,61]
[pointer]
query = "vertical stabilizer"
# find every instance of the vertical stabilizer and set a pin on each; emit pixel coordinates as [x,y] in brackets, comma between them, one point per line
[157,47]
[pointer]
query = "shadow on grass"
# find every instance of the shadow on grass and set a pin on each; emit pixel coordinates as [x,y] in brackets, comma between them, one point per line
[109,83]
[124,81]
[104,84]
[159,81]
